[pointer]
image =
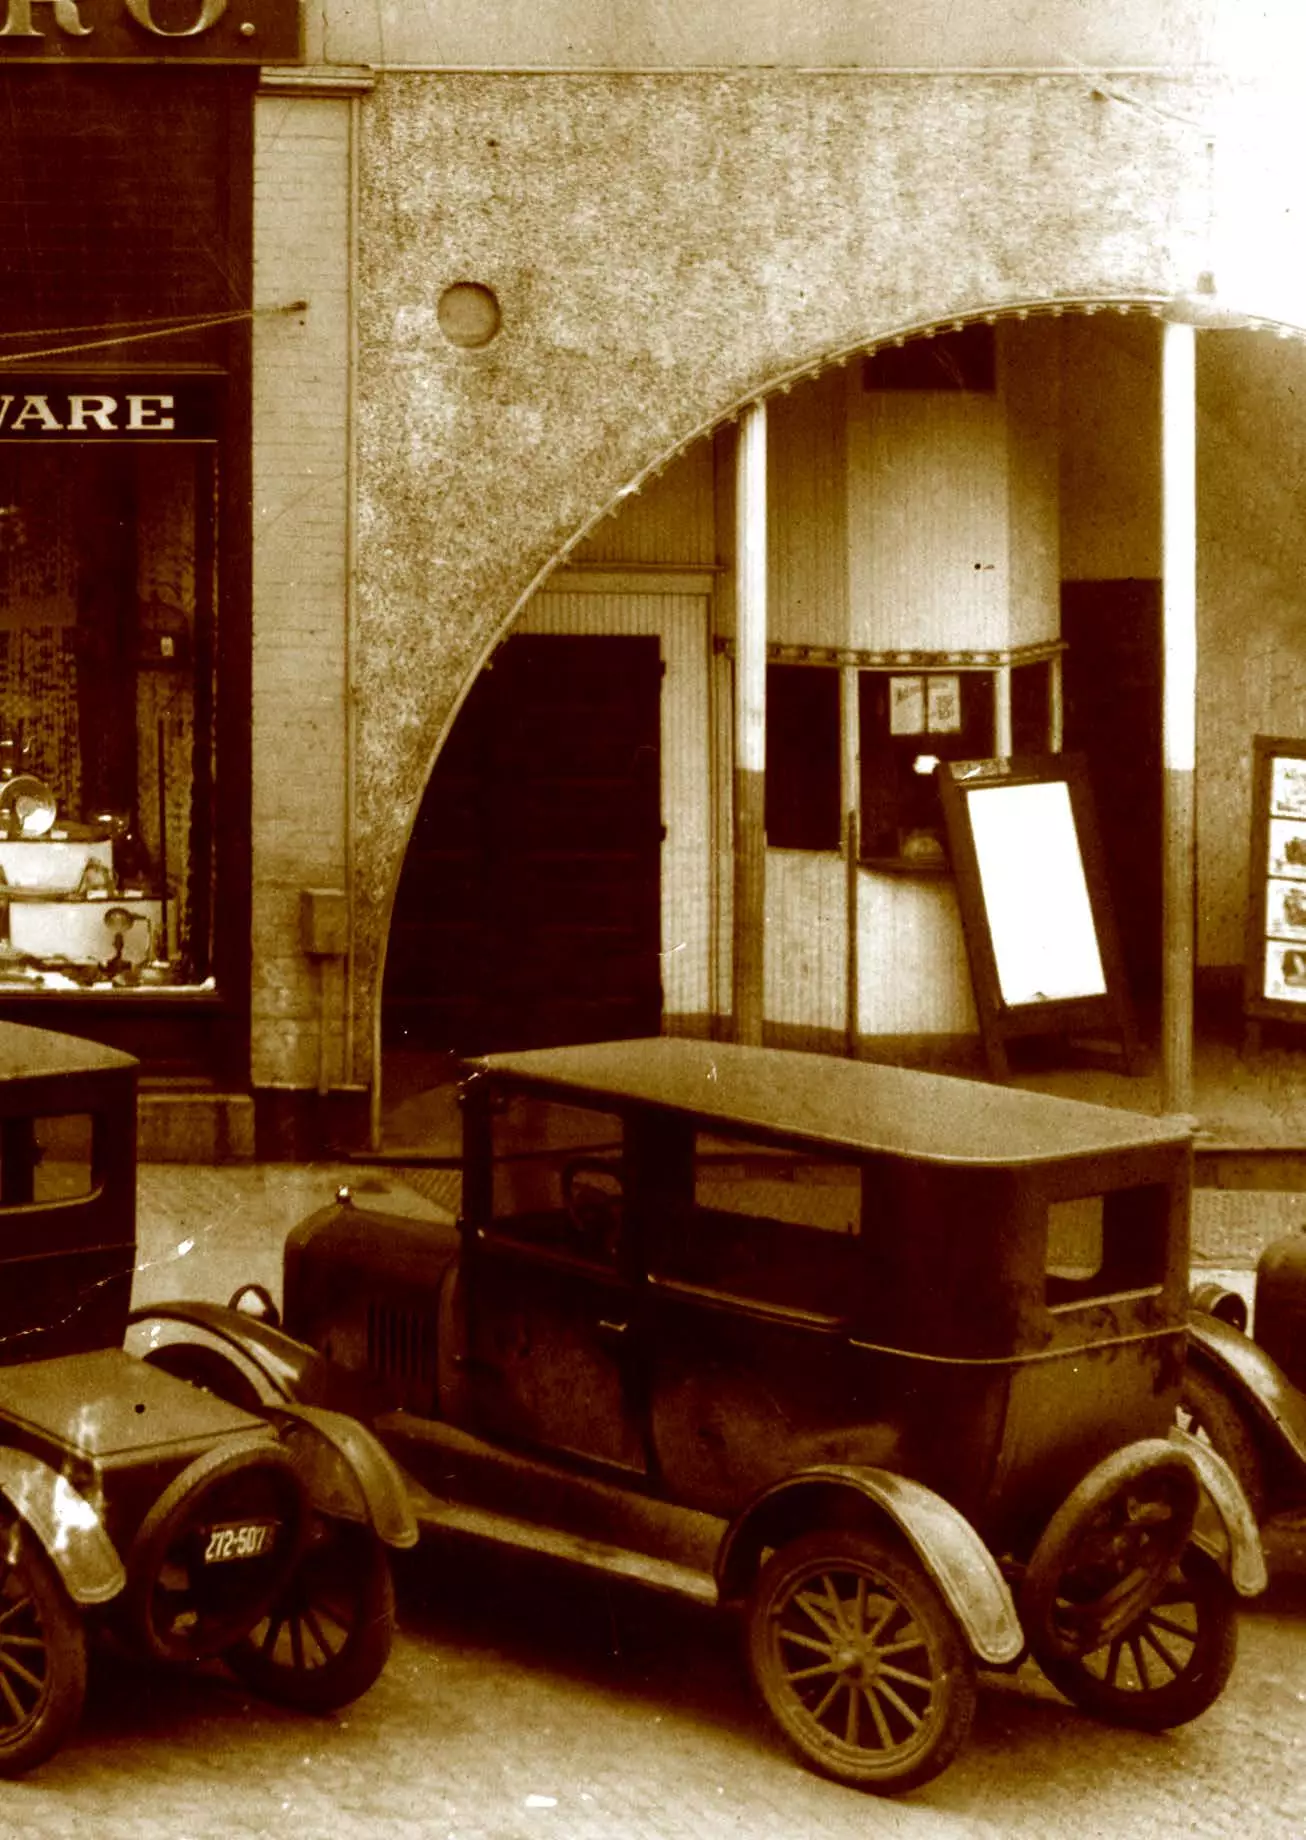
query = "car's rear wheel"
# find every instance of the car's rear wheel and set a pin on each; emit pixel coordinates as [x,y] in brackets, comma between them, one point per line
[327,1636]
[1168,1665]
[42,1654]
[1106,1553]
[1207,1412]
[860,1662]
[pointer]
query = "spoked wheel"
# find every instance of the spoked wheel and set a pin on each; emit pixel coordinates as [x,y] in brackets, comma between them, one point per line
[860,1662]
[1107,1552]
[328,1635]
[42,1655]
[1169,1664]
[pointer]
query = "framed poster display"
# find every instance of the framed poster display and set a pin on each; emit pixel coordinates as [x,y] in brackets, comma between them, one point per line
[1274,983]
[1031,885]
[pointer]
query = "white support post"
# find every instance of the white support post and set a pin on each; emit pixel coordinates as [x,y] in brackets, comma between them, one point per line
[1179,712]
[750,727]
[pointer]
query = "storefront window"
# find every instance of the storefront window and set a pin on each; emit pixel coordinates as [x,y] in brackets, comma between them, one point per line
[107,636]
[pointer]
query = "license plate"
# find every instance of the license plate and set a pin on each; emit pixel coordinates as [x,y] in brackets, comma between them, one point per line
[239,1540]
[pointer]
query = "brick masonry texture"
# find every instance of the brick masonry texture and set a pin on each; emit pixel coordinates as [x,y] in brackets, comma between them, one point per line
[301,508]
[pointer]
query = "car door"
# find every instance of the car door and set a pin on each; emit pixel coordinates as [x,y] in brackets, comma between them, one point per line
[752,1280]
[549,1305]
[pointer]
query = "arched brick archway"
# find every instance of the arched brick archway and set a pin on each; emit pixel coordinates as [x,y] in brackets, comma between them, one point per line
[1138,306]
[663,248]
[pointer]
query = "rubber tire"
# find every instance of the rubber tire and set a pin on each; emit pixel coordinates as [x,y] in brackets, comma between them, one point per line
[1211,1412]
[209,1370]
[169,1521]
[25,1570]
[1067,1543]
[350,1563]
[888,1571]
[1203,1674]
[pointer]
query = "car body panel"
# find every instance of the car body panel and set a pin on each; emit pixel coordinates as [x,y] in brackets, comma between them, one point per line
[686,1273]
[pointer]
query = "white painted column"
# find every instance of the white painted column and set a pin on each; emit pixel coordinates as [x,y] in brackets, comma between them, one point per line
[750,726]
[1179,712]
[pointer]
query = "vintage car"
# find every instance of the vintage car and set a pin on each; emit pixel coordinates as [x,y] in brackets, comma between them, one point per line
[1247,1397]
[131,1501]
[888,1360]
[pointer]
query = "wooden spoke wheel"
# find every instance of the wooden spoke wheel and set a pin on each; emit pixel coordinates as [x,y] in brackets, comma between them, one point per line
[42,1654]
[1106,1553]
[860,1662]
[327,1636]
[1166,1666]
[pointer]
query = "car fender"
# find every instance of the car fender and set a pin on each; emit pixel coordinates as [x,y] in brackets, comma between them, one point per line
[1255,1379]
[283,1369]
[68,1526]
[349,1474]
[944,1541]
[1236,1543]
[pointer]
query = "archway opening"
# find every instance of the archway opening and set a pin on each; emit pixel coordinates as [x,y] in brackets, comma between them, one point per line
[930,519]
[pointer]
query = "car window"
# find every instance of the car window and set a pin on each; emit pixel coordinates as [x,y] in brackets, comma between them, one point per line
[557,1176]
[46,1159]
[772,1226]
[1100,1245]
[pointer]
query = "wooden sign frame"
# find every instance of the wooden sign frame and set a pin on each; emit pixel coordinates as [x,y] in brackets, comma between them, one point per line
[1031,885]
[1274,974]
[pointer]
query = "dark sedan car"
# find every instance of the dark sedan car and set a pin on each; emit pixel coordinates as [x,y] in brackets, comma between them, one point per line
[887,1359]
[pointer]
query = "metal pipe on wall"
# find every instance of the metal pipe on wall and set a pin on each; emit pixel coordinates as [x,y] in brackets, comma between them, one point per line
[749,910]
[1179,711]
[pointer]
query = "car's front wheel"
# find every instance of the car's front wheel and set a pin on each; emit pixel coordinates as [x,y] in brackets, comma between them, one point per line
[1169,1664]
[860,1662]
[42,1654]
[327,1636]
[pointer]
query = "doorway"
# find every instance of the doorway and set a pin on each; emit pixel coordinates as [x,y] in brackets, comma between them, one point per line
[529,907]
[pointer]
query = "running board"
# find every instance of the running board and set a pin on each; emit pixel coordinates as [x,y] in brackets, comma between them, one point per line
[435,1515]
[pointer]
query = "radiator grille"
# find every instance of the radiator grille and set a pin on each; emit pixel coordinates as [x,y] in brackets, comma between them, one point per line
[401,1346]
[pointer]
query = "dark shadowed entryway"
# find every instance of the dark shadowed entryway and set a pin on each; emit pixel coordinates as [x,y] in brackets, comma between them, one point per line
[528,912]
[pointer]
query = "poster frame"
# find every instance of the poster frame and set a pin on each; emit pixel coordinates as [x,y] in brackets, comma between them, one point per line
[1093,1014]
[1272,936]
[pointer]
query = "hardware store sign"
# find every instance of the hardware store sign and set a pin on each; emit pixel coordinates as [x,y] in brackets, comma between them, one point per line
[185,409]
[150,31]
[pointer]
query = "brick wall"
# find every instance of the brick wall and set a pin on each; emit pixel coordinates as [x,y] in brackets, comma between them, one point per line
[300,520]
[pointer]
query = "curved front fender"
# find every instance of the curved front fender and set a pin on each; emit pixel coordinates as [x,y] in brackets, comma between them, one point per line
[1255,1379]
[67,1525]
[944,1541]
[1239,1551]
[348,1472]
[286,1370]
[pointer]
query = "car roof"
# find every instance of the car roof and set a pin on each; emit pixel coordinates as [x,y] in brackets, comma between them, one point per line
[858,1105]
[28,1053]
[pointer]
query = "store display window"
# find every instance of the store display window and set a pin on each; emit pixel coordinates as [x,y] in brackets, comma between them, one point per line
[107,647]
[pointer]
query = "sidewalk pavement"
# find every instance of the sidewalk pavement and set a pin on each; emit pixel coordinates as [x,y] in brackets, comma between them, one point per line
[205,1229]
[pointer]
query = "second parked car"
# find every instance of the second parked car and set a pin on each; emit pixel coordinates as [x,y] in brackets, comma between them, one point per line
[888,1360]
